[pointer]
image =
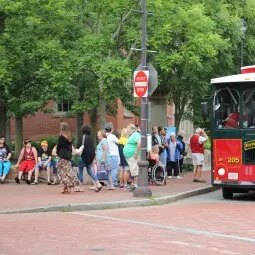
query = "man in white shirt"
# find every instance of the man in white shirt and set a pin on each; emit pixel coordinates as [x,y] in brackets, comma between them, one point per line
[114,151]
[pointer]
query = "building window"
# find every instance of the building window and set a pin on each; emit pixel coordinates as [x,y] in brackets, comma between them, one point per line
[61,108]
[64,106]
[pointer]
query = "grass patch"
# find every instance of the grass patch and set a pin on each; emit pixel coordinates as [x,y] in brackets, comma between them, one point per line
[66,209]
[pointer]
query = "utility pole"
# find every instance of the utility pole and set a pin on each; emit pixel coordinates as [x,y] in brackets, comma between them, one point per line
[143,189]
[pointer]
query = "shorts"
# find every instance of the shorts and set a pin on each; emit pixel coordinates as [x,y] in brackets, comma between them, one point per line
[40,165]
[198,159]
[27,166]
[133,166]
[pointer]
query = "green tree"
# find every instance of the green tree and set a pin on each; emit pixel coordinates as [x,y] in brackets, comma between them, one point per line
[33,56]
[99,55]
[196,41]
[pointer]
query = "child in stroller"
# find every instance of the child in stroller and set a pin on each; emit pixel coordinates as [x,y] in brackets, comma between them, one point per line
[156,171]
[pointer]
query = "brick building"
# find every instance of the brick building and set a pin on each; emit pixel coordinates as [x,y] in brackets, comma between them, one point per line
[47,124]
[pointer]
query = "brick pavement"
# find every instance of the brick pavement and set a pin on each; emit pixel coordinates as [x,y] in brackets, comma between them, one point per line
[25,197]
[221,228]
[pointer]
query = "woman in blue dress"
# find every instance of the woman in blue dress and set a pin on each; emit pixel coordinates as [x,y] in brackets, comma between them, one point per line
[103,156]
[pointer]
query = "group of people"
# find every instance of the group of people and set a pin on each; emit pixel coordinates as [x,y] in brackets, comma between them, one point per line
[114,155]
[170,152]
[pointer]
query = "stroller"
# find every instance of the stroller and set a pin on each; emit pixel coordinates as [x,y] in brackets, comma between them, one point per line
[156,173]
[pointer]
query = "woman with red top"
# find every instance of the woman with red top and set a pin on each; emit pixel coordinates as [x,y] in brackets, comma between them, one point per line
[232,120]
[27,161]
[154,154]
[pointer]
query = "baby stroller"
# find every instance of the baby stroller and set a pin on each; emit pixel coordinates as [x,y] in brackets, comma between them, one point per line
[156,173]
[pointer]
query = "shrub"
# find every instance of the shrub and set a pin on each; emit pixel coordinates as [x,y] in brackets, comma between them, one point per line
[187,167]
[207,145]
[52,141]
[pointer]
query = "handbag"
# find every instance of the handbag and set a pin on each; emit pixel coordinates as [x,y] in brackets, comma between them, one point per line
[101,172]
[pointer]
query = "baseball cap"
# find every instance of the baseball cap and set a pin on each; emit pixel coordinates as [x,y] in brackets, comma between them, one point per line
[108,126]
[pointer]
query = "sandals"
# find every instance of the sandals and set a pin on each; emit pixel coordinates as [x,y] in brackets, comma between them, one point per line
[98,188]
[111,188]
[77,189]
[64,190]
[199,180]
[68,190]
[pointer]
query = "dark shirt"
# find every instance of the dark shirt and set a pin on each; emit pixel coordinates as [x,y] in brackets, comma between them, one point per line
[64,148]
[180,138]
[44,155]
[88,153]
[154,139]
[4,151]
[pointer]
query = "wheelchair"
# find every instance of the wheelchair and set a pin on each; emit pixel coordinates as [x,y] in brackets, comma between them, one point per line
[156,173]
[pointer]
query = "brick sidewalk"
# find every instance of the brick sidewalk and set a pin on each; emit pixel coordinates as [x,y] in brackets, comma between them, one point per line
[23,196]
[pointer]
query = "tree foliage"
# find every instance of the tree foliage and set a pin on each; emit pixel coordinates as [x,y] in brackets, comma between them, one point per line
[81,51]
[196,41]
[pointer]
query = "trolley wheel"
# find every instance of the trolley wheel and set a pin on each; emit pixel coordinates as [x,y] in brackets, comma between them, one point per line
[227,193]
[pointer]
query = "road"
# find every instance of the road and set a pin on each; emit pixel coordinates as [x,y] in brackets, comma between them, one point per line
[204,224]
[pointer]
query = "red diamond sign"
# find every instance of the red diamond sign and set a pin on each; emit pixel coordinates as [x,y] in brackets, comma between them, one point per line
[141,80]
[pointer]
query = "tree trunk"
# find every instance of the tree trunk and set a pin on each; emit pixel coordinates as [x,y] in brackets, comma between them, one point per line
[79,123]
[179,111]
[93,120]
[8,132]
[3,119]
[177,121]
[102,112]
[18,135]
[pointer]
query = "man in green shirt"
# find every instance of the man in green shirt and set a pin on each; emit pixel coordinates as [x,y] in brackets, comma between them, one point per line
[132,153]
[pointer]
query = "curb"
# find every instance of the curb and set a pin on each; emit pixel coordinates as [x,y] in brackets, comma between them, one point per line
[114,204]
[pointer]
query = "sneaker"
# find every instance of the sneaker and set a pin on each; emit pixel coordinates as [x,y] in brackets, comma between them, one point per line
[17,180]
[169,177]
[28,182]
[131,188]
[178,177]
[121,186]
[200,180]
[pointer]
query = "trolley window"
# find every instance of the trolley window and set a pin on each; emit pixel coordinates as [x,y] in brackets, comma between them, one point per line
[249,108]
[227,108]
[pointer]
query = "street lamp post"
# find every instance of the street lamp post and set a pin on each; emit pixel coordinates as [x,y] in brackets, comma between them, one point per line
[243,28]
[143,189]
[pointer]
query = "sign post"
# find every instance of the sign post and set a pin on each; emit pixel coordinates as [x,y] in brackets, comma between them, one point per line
[141,88]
